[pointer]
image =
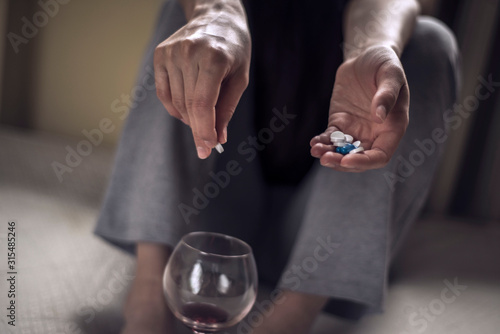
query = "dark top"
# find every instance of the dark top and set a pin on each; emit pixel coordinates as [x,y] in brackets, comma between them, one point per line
[296,52]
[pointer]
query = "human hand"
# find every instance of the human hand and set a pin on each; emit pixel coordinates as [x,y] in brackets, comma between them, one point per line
[202,70]
[370,101]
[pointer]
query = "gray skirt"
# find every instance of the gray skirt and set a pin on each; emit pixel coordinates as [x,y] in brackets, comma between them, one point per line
[333,234]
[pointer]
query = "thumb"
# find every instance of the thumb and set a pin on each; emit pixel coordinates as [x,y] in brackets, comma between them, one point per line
[229,97]
[389,84]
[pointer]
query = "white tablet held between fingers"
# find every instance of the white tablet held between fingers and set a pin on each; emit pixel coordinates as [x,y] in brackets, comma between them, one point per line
[219,148]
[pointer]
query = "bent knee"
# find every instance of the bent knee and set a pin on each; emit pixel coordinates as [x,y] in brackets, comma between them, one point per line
[432,61]
[432,43]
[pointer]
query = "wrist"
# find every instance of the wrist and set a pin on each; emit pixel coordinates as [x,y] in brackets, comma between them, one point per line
[197,8]
[353,52]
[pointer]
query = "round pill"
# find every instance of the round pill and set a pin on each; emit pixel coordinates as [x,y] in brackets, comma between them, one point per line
[357,143]
[339,142]
[348,138]
[357,150]
[337,135]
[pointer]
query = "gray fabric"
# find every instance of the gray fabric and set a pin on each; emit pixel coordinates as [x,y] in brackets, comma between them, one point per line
[156,170]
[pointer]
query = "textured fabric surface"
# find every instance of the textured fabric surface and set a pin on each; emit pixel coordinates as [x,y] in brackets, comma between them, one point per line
[333,234]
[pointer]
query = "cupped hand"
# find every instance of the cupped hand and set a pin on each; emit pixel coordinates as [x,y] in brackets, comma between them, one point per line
[370,101]
[202,70]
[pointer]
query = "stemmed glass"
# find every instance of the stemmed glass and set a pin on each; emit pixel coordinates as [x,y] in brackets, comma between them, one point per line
[210,281]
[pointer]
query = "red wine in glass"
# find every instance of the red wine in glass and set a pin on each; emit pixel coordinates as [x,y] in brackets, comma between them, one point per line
[204,313]
[210,281]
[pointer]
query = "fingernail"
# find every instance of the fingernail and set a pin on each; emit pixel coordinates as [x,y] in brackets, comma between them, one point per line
[203,153]
[184,121]
[381,113]
[224,134]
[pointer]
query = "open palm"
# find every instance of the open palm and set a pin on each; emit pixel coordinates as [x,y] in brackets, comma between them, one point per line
[370,101]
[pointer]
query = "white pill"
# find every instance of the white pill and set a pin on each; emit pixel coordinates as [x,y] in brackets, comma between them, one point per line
[357,150]
[348,138]
[338,143]
[357,143]
[337,135]
[219,148]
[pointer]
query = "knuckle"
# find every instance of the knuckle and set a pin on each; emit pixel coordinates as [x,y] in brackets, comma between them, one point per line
[159,51]
[189,102]
[171,110]
[188,47]
[245,80]
[201,105]
[391,96]
[163,54]
[162,93]
[204,135]
[395,71]
[203,132]
[158,57]
[224,116]
[178,103]
[219,57]
[406,122]
[169,52]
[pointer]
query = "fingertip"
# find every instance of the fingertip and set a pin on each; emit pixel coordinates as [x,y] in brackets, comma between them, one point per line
[315,151]
[330,159]
[223,136]
[314,141]
[319,149]
[203,152]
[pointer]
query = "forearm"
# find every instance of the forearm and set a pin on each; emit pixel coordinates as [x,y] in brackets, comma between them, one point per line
[378,22]
[193,8]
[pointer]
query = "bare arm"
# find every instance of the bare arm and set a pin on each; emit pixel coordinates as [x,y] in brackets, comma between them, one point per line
[196,7]
[370,97]
[202,70]
[378,22]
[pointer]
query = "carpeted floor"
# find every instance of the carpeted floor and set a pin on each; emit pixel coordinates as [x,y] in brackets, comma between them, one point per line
[69,281]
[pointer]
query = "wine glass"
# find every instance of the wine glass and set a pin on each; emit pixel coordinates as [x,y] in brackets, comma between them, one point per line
[210,281]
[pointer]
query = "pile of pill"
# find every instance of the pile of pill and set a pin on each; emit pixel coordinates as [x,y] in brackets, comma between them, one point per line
[343,143]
